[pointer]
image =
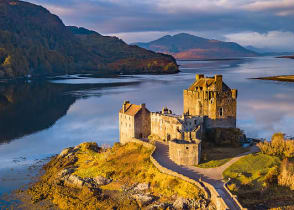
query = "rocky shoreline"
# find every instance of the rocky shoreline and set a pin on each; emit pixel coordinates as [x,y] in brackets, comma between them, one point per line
[62,187]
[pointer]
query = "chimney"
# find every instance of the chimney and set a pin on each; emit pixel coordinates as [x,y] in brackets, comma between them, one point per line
[234,93]
[143,106]
[199,76]
[219,82]
[124,106]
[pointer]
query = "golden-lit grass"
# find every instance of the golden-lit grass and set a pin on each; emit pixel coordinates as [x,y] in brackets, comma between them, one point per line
[131,164]
[124,164]
[254,181]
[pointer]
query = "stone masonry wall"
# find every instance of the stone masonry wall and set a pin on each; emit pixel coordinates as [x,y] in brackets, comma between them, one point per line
[142,124]
[184,153]
[126,127]
[165,127]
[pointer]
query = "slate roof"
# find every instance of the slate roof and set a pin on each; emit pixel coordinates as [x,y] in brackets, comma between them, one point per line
[206,81]
[131,109]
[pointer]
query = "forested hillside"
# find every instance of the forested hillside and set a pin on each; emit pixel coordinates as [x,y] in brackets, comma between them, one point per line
[35,42]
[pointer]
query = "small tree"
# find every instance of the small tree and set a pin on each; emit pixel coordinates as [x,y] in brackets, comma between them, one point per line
[278,146]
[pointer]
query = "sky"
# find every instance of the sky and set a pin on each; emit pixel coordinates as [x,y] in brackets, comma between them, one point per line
[266,24]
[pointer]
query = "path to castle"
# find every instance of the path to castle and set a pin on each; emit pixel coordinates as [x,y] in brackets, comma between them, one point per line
[212,176]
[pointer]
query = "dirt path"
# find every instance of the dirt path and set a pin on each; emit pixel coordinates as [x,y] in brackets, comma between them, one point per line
[212,176]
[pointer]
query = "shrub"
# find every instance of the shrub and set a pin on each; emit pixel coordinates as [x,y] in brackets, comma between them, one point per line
[278,146]
[272,176]
[286,177]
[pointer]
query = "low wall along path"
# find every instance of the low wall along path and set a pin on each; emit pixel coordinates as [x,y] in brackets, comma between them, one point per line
[213,186]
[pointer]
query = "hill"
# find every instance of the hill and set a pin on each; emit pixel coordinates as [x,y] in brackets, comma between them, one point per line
[121,177]
[186,46]
[35,42]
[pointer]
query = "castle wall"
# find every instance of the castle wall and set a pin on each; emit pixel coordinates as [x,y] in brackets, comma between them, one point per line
[192,122]
[142,124]
[126,127]
[185,153]
[229,122]
[165,127]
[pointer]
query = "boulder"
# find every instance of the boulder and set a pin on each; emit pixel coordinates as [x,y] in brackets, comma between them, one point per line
[74,181]
[88,146]
[142,187]
[100,180]
[65,152]
[65,172]
[157,206]
[143,200]
[181,203]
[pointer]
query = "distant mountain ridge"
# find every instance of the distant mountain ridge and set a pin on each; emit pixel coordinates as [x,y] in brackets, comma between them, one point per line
[35,42]
[186,46]
[268,52]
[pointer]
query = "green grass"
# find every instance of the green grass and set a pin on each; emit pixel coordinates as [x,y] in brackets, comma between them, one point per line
[254,181]
[252,168]
[214,163]
[213,157]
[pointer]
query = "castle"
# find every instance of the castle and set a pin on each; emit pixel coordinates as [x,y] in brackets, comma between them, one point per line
[208,103]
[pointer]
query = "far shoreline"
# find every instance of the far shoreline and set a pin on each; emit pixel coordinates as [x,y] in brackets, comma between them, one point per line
[280,78]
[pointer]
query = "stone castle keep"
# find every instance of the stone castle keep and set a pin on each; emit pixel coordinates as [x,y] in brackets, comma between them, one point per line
[208,103]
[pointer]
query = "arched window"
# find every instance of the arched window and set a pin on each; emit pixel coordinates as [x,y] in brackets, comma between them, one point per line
[221,112]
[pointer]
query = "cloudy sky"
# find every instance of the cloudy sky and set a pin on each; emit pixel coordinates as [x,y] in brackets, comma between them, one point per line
[261,23]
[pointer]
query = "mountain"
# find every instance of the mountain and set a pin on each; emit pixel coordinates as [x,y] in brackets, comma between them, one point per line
[268,51]
[186,46]
[35,42]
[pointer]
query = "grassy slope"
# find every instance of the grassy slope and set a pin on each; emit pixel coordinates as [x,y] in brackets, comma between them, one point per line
[216,156]
[131,164]
[253,184]
[125,164]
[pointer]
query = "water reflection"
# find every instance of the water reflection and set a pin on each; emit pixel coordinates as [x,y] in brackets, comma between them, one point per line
[27,108]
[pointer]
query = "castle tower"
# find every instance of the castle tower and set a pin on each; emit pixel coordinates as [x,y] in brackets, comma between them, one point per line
[211,98]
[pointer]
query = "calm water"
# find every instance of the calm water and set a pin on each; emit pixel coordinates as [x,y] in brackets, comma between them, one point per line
[38,120]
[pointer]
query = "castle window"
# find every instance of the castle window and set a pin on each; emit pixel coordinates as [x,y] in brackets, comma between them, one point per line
[195,122]
[221,110]
[187,147]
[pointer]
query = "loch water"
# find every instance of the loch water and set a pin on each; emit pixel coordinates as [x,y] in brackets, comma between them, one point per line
[40,118]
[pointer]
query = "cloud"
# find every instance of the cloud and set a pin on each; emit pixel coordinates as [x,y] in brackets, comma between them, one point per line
[273,39]
[130,18]
[277,6]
